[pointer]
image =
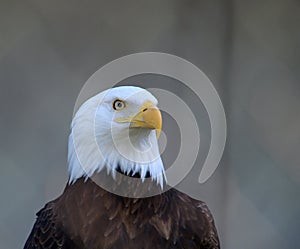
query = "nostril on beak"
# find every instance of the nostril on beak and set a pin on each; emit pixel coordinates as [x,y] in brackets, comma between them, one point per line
[145,109]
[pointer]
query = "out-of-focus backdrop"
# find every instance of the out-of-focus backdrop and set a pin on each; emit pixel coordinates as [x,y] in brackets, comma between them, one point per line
[249,50]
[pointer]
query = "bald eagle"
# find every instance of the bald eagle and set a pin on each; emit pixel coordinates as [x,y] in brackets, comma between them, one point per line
[113,141]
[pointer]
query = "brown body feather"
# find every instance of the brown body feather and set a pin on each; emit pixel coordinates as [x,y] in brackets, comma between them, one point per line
[87,216]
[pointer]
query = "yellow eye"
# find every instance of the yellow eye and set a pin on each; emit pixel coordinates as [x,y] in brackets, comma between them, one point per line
[118,104]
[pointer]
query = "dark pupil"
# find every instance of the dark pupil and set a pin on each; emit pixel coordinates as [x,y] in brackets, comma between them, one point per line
[119,104]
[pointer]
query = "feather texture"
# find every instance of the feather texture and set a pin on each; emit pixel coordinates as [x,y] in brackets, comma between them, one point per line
[87,216]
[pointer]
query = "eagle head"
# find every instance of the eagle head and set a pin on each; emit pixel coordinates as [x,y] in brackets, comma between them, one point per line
[117,129]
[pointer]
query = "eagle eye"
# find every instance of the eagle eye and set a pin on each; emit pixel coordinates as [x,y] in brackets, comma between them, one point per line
[118,104]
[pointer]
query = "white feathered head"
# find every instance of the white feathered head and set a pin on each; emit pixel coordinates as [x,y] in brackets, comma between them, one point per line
[117,129]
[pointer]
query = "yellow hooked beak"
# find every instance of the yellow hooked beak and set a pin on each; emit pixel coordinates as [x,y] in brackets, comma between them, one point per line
[148,117]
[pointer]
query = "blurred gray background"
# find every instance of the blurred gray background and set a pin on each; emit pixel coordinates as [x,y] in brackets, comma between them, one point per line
[249,50]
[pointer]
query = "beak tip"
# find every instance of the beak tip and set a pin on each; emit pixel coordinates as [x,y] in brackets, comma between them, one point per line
[149,117]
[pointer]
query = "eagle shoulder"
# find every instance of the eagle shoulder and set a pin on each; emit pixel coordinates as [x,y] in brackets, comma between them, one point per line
[196,224]
[47,232]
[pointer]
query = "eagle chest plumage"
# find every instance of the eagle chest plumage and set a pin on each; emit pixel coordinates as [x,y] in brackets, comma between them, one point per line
[87,216]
